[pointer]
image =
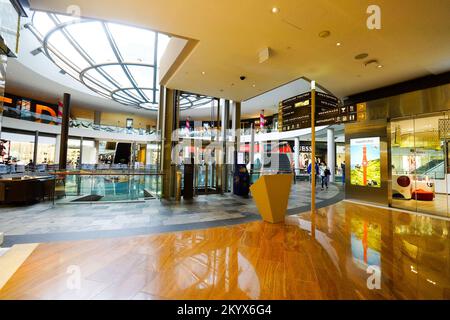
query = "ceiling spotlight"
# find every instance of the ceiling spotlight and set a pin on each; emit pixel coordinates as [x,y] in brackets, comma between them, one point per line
[275,10]
[203,72]
[254,85]
[338,44]
[372,62]
[379,66]
[361,56]
[324,34]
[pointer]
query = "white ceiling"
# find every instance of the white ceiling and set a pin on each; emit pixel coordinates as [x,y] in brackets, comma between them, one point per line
[268,101]
[414,41]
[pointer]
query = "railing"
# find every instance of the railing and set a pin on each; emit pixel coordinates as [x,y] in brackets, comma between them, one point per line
[11,169]
[75,187]
[83,124]
[108,128]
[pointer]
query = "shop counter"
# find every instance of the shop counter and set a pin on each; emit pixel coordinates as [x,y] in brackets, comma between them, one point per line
[26,189]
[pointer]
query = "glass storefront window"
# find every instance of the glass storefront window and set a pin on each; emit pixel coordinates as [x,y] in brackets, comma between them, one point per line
[73,152]
[418,159]
[89,153]
[19,147]
[46,150]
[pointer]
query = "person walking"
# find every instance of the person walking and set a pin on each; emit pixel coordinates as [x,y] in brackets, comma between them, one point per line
[324,172]
[310,169]
[343,172]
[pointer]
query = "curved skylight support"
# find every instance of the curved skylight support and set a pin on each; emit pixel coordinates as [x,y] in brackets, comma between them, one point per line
[116,61]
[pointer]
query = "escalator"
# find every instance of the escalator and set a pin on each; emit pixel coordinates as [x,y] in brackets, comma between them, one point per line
[434,169]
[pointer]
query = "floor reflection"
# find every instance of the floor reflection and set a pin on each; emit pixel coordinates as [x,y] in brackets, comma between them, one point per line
[336,253]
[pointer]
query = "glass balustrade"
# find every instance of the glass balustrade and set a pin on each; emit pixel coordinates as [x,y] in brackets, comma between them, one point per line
[27,115]
[106,187]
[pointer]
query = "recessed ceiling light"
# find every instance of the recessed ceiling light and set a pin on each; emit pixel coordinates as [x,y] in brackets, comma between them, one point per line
[338,44]
[380,66]
[324,34]
[275,10]
[361,56]
[372,62]
[254,85]
[203,72]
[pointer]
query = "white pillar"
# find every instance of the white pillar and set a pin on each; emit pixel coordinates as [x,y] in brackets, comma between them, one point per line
[296,154]
[331,152]
[252,146]
[57,147]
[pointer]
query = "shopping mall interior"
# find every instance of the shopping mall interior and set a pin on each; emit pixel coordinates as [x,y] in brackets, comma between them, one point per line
[224,150]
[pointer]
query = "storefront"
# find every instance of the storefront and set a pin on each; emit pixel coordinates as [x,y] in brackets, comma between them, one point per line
[399,155]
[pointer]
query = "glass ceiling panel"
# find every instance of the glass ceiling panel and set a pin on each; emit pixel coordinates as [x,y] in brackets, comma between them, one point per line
[59,41]
[43,23]
[149,94]
[64,19]
[61,64]
[96,76]
[92,39]
[142,75]
[135,45]
[117,61]
[96,88]
[117,73]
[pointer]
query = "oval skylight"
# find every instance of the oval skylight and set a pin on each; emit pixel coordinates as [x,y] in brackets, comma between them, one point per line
[116,61]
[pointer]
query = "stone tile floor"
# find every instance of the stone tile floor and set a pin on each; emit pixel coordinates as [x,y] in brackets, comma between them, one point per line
[20,224]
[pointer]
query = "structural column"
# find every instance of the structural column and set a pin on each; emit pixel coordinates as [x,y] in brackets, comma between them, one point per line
[331,152]
[3,61]
[236,125]
[167,123]
[236,132]
[57,147]
[296,154]
[64,132]
[252,147]
[81,153]
[225,122]
[36,146]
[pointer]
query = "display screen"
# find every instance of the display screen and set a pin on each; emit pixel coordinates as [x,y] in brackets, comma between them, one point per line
[365,162]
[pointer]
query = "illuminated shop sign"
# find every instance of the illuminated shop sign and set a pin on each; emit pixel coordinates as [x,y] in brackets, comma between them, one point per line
[365,162]
[29,109]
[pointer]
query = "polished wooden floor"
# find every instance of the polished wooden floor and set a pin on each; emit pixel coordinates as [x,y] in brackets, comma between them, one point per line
[320,256]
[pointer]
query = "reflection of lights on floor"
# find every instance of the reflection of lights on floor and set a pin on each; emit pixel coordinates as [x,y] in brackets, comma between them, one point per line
[413,270]
[431,281]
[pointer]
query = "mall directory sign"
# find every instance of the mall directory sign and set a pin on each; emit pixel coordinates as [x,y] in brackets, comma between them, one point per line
[365,162]
[295,113]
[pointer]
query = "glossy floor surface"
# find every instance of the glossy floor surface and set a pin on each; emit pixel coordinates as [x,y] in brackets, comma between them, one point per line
[345,251]
[47,223]
[439,206]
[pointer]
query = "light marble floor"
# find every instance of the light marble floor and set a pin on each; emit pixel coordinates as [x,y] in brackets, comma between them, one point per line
[20,224]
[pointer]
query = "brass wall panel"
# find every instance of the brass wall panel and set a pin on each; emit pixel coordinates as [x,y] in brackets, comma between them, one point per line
[425,101]
[371,128]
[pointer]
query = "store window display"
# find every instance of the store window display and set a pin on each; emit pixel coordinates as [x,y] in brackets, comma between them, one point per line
[418,163]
